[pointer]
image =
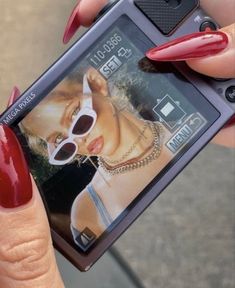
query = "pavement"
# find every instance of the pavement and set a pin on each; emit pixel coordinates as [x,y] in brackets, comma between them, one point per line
[186,237]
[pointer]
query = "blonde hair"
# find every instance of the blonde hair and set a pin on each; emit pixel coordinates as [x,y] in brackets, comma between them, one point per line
[37,144]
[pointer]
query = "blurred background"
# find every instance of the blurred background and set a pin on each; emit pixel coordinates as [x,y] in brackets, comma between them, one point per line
[186,238]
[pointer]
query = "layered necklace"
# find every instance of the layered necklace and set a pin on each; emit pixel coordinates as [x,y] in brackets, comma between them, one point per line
[156,146]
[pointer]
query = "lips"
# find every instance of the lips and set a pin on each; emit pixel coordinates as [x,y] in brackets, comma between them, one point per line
[96,146]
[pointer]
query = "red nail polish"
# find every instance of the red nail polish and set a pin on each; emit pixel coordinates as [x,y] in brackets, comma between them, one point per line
[196,45]
[14,95]
[72,25]
[15,181]
[230,123]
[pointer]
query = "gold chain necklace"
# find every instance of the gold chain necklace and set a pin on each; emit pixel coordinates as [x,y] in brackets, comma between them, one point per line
[131,149]
[157,132]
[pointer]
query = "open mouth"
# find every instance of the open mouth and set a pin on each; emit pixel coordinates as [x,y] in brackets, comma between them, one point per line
[96,146]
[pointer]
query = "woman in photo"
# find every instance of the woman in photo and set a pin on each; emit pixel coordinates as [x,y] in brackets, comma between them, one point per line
[80,119]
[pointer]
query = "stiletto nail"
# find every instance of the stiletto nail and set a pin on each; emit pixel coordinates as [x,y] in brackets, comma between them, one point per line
[14,95]
[196,45]
[15,181]
[72,25]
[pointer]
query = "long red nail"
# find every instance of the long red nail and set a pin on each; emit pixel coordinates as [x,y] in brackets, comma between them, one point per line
[14,95]
[15,181]
[72,25]
[196,45]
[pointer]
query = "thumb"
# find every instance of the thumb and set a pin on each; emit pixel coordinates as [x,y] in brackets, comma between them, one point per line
[26,253]
[221,65]
[210,52]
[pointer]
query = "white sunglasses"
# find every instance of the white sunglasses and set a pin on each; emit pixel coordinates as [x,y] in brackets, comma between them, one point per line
[81,126]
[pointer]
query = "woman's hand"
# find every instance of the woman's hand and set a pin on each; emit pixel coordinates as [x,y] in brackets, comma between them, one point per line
[209,53]
[220,65]
[26,253]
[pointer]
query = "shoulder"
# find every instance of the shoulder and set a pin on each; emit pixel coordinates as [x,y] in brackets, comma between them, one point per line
[85,215]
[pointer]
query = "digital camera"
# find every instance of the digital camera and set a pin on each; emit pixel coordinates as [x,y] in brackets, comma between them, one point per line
[105,130]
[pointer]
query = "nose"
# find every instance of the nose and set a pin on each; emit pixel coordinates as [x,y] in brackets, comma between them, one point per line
[80,140]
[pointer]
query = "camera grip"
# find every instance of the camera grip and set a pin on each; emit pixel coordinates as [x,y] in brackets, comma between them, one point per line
[166,14]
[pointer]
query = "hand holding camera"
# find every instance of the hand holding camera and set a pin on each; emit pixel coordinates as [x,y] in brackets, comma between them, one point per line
[19,199]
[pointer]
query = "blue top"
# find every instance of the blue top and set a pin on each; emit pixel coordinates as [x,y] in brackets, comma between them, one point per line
[105,216]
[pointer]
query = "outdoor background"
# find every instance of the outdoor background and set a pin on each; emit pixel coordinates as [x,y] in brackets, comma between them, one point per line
[186,238]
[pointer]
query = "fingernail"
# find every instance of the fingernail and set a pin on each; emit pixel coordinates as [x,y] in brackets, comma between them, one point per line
[14,95]
[15,181]
[72,25]
[196,45]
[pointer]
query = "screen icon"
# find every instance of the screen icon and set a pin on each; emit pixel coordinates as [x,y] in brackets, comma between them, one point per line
[167,109]
[123,52]
[111,66]
[169,112]
[186,132]
[85,239]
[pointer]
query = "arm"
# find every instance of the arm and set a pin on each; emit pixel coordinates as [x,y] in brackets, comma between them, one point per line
[84,215]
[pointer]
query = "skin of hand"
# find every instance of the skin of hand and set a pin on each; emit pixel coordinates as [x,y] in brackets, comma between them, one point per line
[221,65]
[26,252]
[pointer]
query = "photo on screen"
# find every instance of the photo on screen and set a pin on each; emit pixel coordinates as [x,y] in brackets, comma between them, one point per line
[105,132]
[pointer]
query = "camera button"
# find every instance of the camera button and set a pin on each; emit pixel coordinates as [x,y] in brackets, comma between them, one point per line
[230,94]
[208,25]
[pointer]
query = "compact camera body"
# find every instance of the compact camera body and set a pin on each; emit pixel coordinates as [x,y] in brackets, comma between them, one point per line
[178,112]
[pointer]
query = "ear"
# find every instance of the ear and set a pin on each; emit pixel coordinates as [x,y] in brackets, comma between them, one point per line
[96,82]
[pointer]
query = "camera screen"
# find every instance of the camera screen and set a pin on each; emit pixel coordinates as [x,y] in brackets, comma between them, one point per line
[109,130]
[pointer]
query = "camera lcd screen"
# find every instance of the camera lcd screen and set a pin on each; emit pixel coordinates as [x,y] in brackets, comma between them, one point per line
[107,132]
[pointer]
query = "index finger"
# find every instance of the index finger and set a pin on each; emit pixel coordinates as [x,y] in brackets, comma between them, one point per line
[88,10]
[82,15]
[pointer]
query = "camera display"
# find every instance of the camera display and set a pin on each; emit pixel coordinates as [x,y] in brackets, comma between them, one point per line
[109,130]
